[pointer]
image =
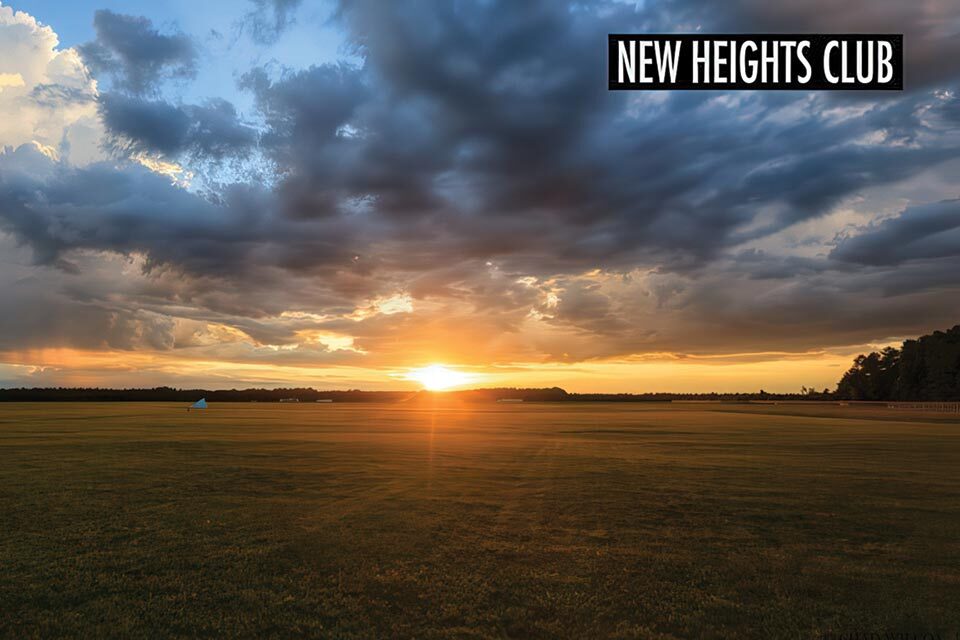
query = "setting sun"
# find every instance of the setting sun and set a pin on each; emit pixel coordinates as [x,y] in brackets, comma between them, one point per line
[437,377]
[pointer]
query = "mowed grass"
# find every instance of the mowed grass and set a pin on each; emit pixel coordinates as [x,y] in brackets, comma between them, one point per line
[485,521]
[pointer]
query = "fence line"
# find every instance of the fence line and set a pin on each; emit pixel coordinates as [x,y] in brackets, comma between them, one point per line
[942,407]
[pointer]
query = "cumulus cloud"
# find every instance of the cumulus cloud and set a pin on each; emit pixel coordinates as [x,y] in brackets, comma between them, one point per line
[46,94]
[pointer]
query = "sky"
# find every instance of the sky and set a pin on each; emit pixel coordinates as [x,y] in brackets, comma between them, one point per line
[338,193]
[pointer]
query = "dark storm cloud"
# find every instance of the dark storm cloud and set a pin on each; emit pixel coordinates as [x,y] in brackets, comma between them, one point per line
[56,209]
[270,18]
[145,124]
[472,121]
[474,134]
[212,130]
[810,185]
[930,27]
[469,132]
[920,232]
[135,54]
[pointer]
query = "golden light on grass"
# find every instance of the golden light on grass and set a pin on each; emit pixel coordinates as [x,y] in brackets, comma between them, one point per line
[437,377]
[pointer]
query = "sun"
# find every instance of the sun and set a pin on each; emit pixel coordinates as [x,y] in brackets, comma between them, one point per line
[437,377]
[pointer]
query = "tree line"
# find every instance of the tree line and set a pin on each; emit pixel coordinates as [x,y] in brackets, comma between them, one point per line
[551,394]
[923,370]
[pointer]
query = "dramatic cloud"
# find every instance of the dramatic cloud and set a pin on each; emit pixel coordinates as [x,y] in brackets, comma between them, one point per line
[135,55]
[921,232]
[56,209]
[212,130]
[508,149]
[929,27]
[464,187]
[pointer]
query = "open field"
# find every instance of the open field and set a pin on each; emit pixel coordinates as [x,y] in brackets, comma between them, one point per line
[551,520]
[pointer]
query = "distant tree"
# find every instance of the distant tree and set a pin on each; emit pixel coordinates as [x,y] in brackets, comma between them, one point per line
[925,369]
[872,377]
[930,367]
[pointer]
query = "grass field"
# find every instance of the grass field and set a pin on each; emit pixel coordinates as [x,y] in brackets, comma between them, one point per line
[490,521]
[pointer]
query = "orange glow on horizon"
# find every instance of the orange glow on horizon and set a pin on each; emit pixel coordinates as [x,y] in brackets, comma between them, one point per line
[192,368]
[437,377]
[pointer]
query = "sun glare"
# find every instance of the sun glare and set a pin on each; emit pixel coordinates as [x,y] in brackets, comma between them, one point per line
[437,377]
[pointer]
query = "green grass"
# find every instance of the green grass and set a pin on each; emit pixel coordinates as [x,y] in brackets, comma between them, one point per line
[491,521]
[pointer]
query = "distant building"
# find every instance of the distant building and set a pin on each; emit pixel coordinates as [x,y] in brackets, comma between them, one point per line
[289,399]
[510,400]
